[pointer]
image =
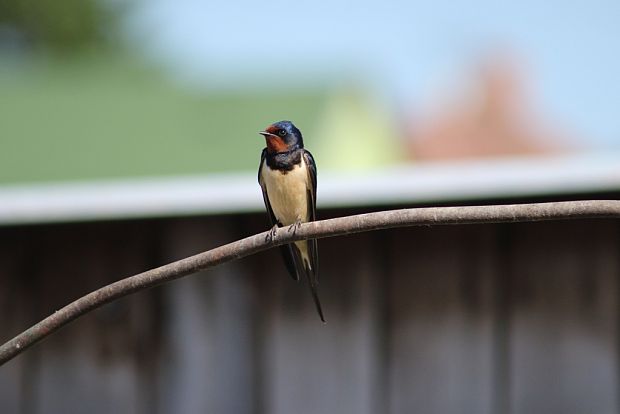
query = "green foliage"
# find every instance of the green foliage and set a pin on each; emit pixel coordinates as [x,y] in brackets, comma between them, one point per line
[59,25]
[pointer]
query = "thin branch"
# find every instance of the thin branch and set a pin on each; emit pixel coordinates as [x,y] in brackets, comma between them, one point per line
[326,228]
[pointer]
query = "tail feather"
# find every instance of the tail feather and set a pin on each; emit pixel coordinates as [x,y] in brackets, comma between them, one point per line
[303,265]
[313,289]
[289,260]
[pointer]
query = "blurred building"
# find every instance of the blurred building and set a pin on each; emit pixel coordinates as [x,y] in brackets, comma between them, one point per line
[355,133]
[515,318]
[489,115]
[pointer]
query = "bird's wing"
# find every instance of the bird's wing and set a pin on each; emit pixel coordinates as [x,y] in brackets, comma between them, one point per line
[311,197]
[286,249]
[312,273]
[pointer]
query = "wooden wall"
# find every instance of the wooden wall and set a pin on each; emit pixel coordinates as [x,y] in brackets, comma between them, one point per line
[519,318]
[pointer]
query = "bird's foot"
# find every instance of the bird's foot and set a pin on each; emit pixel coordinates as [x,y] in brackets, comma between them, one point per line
[293,227]
[272,233]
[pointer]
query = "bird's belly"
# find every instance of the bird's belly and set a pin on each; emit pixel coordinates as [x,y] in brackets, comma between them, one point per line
[288,193]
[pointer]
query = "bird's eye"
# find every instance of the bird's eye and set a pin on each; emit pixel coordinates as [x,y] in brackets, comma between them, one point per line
[282,132]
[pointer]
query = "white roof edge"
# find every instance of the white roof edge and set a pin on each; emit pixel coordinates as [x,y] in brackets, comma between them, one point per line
[239,192]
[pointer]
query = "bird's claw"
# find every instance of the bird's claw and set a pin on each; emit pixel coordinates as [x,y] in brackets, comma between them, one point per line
[272,233]
[293,227]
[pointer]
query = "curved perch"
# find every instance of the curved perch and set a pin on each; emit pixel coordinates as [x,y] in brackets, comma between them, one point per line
[318,229]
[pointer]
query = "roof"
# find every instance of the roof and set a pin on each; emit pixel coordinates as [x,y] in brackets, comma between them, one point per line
[239,192]
[107,117]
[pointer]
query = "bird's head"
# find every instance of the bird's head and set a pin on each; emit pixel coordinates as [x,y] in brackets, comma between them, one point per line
[282,136]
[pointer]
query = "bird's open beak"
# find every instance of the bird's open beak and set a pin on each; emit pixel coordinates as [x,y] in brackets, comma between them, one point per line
[267,134]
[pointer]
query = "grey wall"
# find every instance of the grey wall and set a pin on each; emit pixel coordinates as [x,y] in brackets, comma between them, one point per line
[519,318]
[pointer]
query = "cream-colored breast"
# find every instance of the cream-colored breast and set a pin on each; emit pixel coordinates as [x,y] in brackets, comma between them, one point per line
[287,193]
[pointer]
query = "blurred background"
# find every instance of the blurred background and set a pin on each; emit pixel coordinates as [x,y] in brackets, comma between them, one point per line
[128,136]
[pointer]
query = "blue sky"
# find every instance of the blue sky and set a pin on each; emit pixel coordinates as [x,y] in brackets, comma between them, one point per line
[403,51]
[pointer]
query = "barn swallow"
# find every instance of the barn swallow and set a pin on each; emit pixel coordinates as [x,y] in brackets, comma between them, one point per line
[287,176]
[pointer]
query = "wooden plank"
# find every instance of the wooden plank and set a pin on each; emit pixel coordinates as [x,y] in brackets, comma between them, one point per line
[563,343]
[441,320]
[91,365]
[14,374]
[311,367]
[208,334]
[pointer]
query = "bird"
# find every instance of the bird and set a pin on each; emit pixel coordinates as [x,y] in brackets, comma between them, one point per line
[287,176]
